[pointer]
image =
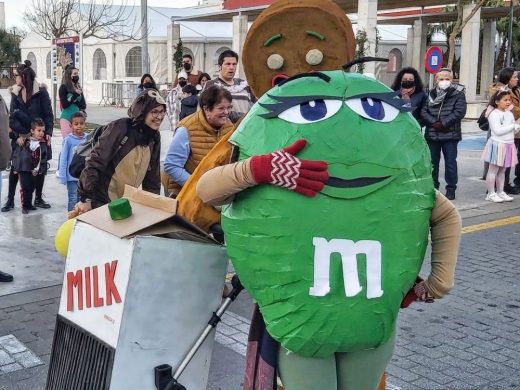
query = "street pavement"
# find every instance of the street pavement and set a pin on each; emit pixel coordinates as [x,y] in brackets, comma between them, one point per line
[469,340]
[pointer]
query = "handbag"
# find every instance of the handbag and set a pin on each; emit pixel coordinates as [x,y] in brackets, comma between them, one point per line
[482,121]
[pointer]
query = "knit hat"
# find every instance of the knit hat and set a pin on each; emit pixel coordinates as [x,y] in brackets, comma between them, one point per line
[143,104]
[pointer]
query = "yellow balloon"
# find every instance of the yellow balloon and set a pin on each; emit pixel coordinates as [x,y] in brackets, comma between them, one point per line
[61,240]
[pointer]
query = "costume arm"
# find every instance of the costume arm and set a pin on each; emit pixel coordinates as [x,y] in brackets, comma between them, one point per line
[219,185]
[177,155]
[446,227]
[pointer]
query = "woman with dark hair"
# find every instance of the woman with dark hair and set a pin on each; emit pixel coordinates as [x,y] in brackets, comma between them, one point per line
[29,100]
[203,79]
[147,82]
[410,87]
[71,99]
[508,77]
[127,152]
[195,136]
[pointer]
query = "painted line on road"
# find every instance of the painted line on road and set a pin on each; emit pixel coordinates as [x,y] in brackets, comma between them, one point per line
[490,225]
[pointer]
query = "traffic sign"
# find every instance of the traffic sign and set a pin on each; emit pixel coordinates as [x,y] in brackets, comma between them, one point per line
[433,59]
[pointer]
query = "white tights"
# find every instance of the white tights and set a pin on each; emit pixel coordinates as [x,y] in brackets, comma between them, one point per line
[495,175]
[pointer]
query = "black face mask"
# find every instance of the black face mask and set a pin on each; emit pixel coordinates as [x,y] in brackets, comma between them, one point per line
[408,84]
[75,79]
[148,85]
[183,83]
[186,66]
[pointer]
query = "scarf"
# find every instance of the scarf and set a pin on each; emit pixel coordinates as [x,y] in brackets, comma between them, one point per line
[441,94]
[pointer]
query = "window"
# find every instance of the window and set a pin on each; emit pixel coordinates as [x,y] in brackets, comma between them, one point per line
[100,65]
[133,64]
[48,65]
[215,60]
[395,61]
[34,65]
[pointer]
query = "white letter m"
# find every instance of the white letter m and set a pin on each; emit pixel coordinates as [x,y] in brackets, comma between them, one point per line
[348,250]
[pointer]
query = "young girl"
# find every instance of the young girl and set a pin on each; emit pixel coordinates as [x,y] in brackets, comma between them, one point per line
[30,162]
[500,151]
[67,152]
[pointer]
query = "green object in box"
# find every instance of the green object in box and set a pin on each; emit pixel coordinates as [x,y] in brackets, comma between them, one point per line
[120,209]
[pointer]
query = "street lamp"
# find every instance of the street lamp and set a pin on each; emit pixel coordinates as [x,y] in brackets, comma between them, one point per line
[144,36]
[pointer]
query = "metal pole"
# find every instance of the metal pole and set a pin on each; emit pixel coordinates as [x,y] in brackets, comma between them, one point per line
[510,35]
[144,36]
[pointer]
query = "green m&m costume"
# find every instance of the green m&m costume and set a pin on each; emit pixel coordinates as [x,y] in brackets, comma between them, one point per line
[329,272]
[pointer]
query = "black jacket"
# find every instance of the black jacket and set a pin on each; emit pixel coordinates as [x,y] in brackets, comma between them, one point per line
[417,100]
[24,159]
[22,114]
[449,112]
[74,98]
[188,106]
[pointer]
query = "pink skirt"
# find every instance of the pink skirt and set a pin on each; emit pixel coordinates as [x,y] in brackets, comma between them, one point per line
[65,127]
[500,154]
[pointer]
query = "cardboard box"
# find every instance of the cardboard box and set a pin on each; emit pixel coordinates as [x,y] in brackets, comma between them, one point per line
[145,287]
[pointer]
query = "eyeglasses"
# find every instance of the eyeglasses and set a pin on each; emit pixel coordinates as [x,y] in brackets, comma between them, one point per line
[223,108]
[158,114]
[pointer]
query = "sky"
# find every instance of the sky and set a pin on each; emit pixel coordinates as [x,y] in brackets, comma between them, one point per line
[14,9]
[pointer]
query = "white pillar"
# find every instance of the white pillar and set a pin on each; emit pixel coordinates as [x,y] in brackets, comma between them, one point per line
[367,21]
[174,34]
[488,57]
[419,46]
[469,53]
[409,47]
[239,37]
[2,16]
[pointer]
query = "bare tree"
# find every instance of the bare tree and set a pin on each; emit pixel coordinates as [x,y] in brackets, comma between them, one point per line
[459,25]
[100,19]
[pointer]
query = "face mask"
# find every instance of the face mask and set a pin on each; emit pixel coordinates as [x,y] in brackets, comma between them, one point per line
[186,66]
[408,84]
[75,79]
[183,83]
[444,84]
[148,85]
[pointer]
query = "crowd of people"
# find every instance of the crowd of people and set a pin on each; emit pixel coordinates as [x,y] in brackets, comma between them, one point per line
[201,111]
[440,112]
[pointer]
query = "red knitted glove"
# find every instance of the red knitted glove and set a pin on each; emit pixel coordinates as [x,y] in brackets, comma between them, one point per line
[283,169]
[418,292]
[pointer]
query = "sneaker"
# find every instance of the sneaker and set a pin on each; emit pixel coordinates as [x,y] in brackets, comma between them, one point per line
[8,206]
[25,211]
[504,196]
[5,277]
[450,194]
[493,197]
[39,202]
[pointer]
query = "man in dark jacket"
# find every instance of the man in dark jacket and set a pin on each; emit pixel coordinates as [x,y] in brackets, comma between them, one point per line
[442,115]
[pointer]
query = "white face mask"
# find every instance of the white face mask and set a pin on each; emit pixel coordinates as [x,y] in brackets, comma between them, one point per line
[444,84]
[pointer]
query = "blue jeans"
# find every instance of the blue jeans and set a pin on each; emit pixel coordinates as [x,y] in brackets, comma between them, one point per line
[449,151]
[72,189]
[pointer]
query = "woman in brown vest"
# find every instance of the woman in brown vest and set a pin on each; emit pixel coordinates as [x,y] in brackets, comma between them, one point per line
[195,137]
